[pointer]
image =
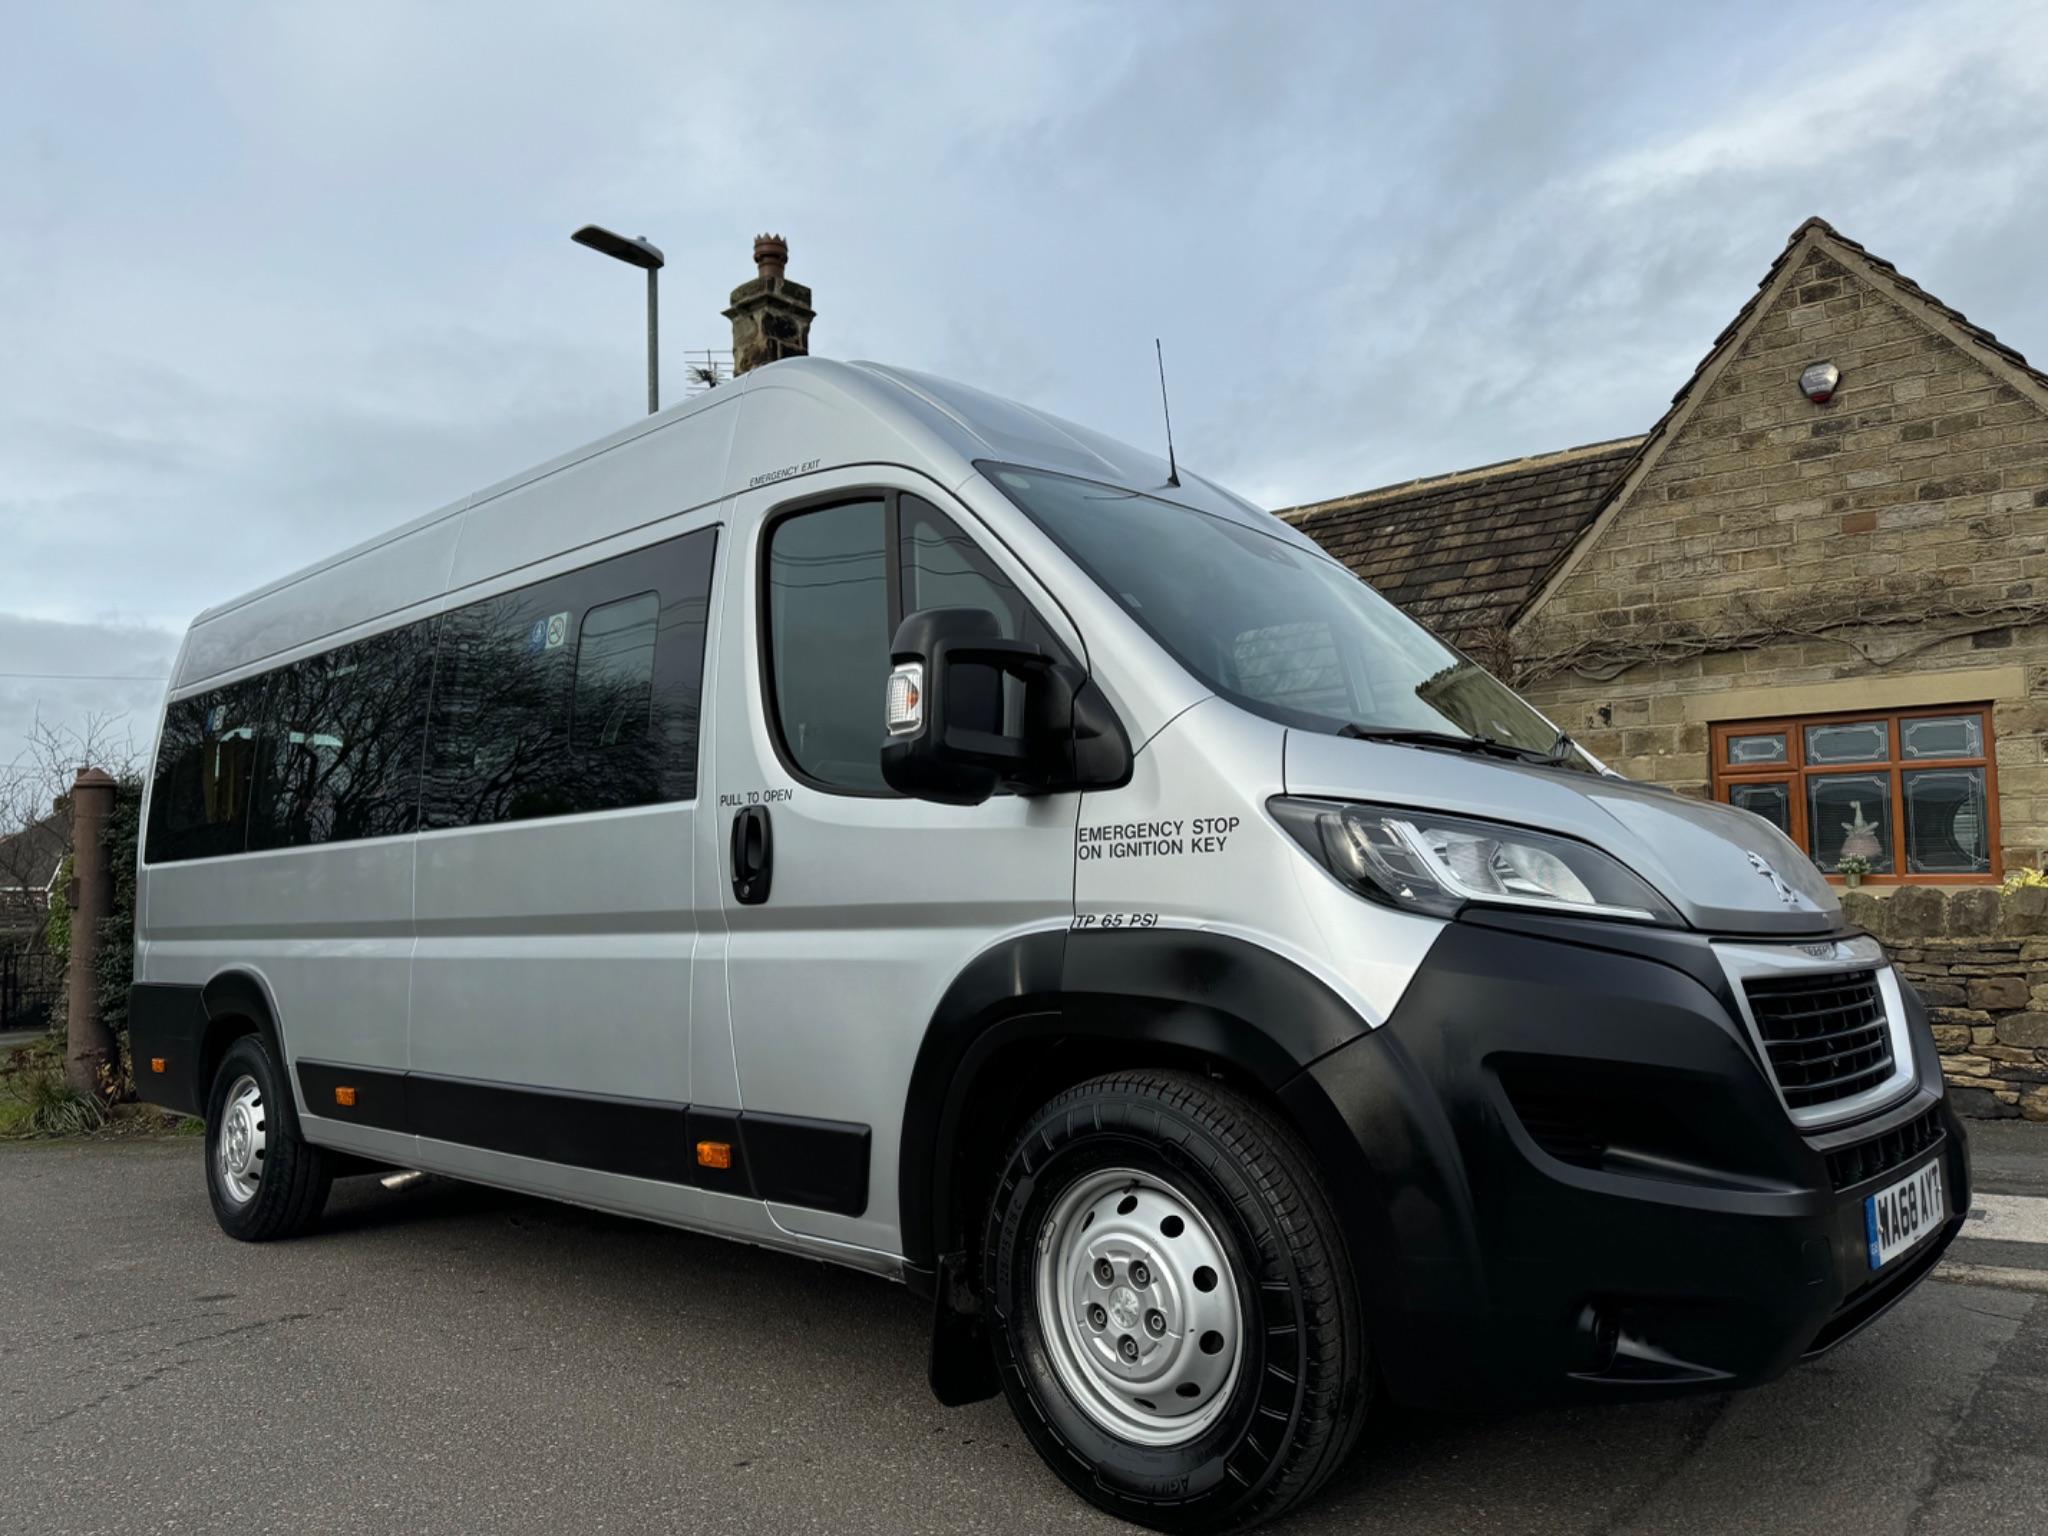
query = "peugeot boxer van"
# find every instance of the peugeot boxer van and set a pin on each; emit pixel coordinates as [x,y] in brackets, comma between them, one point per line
[856,815]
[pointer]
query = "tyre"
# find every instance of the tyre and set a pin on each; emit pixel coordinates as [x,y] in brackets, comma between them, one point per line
[266,1181]
[1171,1304]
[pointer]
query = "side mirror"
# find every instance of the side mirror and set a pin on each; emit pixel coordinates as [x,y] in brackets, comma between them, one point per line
[969,713]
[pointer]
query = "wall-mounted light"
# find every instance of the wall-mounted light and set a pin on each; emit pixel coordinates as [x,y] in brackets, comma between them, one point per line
[1819,381]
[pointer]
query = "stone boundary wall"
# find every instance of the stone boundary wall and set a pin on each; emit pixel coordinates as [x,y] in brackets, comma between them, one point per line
[1978,957]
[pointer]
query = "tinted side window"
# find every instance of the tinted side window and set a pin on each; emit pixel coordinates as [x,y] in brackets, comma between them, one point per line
[205,769]
[579,693]
[498,734]
[615,672]
[828,638]
[341,749]
[944,568]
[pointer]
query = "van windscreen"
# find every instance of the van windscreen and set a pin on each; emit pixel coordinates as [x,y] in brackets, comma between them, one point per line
[1284,631]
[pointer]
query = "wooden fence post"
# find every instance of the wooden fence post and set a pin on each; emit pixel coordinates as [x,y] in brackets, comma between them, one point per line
[89,1044]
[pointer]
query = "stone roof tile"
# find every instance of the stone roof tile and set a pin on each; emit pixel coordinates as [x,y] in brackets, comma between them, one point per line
[1465,552]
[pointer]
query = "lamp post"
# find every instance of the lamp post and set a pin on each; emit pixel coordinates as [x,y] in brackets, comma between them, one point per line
[634,253]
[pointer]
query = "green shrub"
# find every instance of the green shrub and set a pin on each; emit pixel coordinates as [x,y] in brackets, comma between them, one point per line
[116,969]
[36,1101]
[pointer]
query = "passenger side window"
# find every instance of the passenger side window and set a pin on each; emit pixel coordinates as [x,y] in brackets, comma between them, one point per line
[558,697]
[340,756]
[832,610]
[499,730]
[615,672]
[829,627]
[565,696]
[205,770]
[943,568]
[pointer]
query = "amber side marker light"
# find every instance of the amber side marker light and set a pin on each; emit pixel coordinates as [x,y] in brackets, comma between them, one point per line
[345,1097]
[156,1063]
[714,1154]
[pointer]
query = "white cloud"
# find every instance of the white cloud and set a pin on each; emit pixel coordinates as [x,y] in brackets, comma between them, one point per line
[274,278]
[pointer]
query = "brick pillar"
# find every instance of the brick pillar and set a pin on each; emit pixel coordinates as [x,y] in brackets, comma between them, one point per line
[771,316]
[89,1043]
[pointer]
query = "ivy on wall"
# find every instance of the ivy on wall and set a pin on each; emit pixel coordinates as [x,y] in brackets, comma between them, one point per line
[115,970]
[1882,634]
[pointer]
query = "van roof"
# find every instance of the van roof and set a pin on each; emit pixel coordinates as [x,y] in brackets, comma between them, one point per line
[822,412]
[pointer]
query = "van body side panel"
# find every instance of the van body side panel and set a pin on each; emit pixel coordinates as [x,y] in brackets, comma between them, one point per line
[556,953]
[1188,843]
[609,493]
[326,931]
[877,903]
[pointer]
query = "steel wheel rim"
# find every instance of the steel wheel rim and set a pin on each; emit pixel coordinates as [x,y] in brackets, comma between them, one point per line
[1139,1304]
[239,1141]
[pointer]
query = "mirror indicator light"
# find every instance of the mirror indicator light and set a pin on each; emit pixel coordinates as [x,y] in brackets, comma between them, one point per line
[905,707]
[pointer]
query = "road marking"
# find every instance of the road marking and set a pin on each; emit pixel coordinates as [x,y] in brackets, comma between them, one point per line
[1997,1276]
[2008,1219]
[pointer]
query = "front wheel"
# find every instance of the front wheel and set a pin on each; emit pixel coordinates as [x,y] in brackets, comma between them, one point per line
[1172,1307]
[266,1180]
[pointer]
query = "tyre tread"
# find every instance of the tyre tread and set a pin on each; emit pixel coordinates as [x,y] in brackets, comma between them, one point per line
[1272,1168]
[296,1174]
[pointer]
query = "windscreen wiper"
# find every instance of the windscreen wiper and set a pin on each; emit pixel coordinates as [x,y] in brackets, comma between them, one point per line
[1449,741]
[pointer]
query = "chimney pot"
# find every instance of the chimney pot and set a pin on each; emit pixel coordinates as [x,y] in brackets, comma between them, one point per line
[771,316]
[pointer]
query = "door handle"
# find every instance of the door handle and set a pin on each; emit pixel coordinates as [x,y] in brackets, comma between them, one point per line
[753,855]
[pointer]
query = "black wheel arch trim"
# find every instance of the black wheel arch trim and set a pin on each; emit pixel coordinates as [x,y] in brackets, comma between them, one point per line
[1192,989]
[188,1026]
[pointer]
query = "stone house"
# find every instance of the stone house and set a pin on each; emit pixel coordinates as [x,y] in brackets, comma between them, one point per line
[1816,588]
[1787,604]
[31,860]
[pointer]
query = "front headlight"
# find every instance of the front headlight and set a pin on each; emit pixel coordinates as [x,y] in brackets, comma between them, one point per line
[1438,864]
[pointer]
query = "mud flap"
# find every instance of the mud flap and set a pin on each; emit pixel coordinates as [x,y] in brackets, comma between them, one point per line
[962,1368]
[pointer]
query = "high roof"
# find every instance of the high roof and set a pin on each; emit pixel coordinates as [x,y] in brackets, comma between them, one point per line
[1465,552]
[777,424]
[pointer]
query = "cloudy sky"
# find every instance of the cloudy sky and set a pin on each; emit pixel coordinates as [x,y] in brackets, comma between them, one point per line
[273,278]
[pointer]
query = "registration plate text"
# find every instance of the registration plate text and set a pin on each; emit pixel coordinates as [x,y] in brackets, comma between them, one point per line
[1898,1216]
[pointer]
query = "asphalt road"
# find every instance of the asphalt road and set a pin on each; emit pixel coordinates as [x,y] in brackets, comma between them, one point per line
[443,1358]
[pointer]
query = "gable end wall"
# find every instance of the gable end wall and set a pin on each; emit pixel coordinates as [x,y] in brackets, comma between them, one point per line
[1779,556]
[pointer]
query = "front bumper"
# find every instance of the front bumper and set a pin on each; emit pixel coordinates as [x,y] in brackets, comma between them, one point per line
[1586,1186]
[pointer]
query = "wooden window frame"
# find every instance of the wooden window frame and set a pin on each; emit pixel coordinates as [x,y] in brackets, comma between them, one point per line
[1796,774]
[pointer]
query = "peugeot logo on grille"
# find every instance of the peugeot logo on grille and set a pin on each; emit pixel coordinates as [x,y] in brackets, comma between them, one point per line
[1785,892]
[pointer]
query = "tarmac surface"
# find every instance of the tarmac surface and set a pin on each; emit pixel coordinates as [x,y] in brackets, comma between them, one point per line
[448,1358]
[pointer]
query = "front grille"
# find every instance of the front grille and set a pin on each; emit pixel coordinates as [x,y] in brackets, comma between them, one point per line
[1880,1155]
[1826,1034]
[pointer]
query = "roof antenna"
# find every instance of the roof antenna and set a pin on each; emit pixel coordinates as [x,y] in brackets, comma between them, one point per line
[1172,469]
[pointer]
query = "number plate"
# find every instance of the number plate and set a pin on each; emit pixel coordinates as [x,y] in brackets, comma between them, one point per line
[1898,1216]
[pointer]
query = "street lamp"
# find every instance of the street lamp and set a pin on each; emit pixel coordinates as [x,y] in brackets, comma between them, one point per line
[634,253]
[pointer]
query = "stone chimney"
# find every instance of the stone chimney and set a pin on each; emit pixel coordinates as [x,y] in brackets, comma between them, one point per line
[771,316]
